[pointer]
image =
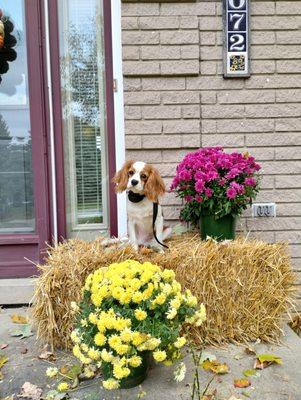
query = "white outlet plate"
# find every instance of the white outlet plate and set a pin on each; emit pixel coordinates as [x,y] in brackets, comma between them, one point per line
[263,210]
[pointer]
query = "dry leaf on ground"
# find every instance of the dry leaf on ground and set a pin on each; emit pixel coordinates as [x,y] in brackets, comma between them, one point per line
[3,346]
[242,383]
[3,360]
[210,396]
[264,360]
[19,319]
[47,355]
[249,372]
[215,366]
[249,350]
[30,391]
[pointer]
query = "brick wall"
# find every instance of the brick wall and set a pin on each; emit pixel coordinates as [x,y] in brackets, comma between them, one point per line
[176,99]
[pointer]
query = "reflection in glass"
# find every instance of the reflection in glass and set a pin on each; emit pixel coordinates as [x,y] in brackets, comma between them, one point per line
[16,180]
[82,81]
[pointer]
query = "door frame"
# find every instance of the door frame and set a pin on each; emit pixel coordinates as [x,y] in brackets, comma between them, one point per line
[12,243]
[54,54]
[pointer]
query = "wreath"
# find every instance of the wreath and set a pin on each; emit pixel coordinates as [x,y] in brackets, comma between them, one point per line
[7,42]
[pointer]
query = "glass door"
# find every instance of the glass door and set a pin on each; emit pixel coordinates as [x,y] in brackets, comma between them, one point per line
[24,209]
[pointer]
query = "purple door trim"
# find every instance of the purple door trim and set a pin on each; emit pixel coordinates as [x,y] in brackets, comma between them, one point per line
[17,249]
[58,124]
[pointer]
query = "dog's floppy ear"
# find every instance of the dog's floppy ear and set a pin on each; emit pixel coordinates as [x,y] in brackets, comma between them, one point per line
[154,186]
[121,177]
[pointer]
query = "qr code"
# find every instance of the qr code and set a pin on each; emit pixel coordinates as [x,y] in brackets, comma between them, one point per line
[237,63]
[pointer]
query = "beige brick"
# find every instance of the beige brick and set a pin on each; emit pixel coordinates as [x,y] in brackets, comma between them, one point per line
[211,52]
[140,37]
[272,110]
[162,142]
[203,8]
[246,96]
[190,52]
[213,82]
[277,52]
[208,126]
[228,140]
[290,236]
[210,23]
[274,82]
[262,8]
[143,127]
[160,52]
[131,84]
[130,53]
[133,142]
[139,9]
[132,112]
[283,167]
[161,112]
[181,126]
[154,23]
[208,68]
[141,68]
[262,154]
[191,111]
[186,97]
[191,141]
[263,66]
[288,181]
[296,252]
[268,237]
[288,124]
[148,156]
[288,37]
[277,139]
[263,37]
[221,111]
[190,22]
[167,83]
[179,37]
[172,213]
[243,126]
[207,38]
[169,199]
[174,156]
[141,98]
[208,97]
[288,7]
[189,67]
[275,23]
[292,67]
[129,23]
[277,224]
[288,95]
[288,210]
[289,153]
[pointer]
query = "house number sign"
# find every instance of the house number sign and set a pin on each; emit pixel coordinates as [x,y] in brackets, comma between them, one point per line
[236,38]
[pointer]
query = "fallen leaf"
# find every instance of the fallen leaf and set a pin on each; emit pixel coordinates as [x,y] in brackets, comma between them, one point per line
[246,394]
[249,350]
[64,369]
[24,350]
[242,383]
[207,356]
[215,366]
[3,346]
[73,371]
[264,360]
[30,391]
[209,396]
[19,319]
[238,356]
[47,355]
[3,360]
[23,332]
[249,372]
[55,395]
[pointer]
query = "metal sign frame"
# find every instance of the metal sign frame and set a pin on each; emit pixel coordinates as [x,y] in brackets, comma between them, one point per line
[236,16]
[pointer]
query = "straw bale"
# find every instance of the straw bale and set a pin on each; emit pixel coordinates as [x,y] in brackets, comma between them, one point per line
[246,285]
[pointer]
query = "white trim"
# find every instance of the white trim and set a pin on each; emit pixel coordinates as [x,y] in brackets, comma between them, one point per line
[51,123]
[118,108]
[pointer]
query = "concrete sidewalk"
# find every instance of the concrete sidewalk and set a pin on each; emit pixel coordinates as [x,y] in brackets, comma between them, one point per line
[273,383]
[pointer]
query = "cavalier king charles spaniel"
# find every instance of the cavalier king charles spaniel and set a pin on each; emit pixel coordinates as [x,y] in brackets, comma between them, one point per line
[144,186]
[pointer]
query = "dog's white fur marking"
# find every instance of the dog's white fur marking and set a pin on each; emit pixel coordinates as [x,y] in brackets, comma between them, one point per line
[143,178]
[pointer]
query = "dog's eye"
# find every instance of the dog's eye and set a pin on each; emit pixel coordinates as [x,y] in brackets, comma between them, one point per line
[143,176]
[131,173]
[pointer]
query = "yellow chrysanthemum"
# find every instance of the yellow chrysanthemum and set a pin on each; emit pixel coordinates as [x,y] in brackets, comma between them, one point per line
[100,339]
[180,342]
[171,313]
[122,349]
[137,297]
[168,274]
[75,337]
[94,354]
[121,372]
[159,355]
[138,338]
[106,356]
[63,387]
[140,314]
[51,372]
[110,384]
[126,335]
[93,318]
[114,341]
[135,361]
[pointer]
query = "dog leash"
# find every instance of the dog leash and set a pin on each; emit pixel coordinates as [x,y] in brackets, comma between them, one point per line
[155,213]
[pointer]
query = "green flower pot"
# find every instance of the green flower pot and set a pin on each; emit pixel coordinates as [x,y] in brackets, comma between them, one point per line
[137,375]
[219,229]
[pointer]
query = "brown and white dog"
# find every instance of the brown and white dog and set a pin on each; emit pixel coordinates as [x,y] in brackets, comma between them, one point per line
[144,186]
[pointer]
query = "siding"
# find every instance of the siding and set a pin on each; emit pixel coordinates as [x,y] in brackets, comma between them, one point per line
[176,100]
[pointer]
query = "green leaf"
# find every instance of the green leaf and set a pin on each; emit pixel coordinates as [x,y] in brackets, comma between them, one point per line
[249,372]
[3,360]
[23,332]
[269,358]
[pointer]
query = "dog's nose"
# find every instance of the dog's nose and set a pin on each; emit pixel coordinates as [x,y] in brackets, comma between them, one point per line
[134,182]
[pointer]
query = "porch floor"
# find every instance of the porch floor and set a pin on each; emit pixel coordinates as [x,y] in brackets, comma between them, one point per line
[273,383]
